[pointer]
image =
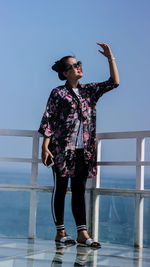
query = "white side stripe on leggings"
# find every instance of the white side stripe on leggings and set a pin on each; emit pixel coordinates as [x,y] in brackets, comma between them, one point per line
[53,197]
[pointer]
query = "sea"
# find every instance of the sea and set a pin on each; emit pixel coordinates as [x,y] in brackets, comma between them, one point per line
[116,214]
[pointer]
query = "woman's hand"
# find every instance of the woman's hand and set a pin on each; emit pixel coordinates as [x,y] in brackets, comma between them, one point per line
[112,64]
[45,151]
[106,50]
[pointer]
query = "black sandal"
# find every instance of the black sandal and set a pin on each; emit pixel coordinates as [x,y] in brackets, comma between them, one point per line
[89,242]
[67,240]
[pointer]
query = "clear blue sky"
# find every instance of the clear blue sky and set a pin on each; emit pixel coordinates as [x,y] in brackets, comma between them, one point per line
[34,34]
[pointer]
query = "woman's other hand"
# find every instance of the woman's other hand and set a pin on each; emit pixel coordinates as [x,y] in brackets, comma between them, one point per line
[106,50]
[45,154]
[112,64]
[45,151]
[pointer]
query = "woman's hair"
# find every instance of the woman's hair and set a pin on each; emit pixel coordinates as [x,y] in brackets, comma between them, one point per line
[60,66]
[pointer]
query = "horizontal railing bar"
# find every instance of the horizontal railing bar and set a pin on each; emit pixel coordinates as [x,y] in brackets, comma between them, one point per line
[122,192]
[123,163]
[28,160]
[99,163]
[98,191]
[122,135]
[107,135]
[27,188]
[20,133]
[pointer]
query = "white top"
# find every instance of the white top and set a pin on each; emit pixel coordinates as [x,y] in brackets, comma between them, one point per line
[80,134]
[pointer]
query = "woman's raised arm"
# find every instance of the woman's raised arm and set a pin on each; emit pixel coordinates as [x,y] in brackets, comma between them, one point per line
[112,64]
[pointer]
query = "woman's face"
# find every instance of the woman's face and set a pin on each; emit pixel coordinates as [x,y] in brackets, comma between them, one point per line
[74,72]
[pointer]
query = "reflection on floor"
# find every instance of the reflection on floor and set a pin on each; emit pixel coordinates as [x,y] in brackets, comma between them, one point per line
[45,253]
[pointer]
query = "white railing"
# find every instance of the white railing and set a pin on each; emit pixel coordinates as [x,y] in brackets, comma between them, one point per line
[93,185]
[139,193]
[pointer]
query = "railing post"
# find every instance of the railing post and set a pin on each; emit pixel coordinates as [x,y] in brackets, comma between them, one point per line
[93,200]
[33,194]
[139,201]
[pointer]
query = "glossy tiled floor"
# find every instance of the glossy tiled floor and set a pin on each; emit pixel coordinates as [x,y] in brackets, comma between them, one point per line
[43,253]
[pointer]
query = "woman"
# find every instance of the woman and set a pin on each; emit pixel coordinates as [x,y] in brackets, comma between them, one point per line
[69,129]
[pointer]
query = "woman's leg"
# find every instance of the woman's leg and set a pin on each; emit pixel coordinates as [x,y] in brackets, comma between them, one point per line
[58,200]
[78,183]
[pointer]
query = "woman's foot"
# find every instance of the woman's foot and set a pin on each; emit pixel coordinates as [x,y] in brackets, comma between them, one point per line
[82,236]
[84,239]
[60,234]
[62,237]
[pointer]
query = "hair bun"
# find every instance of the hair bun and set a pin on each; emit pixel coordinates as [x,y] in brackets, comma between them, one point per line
[58,67]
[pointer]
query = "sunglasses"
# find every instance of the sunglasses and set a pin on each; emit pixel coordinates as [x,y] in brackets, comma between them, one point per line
[75,65]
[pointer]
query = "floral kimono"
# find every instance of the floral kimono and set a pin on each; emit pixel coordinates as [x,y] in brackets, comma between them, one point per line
[61,123]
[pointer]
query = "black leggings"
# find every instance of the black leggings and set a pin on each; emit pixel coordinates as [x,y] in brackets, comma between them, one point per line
[78,183]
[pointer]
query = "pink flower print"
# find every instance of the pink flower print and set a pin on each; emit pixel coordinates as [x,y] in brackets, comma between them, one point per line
[68,97]
[86,136]
[62,165]
[75,116]
[83,107]
[90,156]
[61,93]
[84,113]
[47,132]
